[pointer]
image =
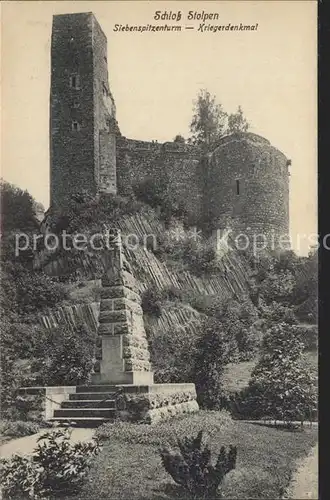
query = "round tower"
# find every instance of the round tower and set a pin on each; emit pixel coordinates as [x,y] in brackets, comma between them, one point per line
[248,189]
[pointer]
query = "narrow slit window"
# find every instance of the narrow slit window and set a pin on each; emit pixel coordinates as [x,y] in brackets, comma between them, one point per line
[76,103]
[74,82]
[75,126]
[237,186]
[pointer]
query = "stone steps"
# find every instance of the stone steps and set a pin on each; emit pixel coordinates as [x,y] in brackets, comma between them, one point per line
[97,396]
[107,413]
[89,403]
[88,406]
[80,421]
[109,389]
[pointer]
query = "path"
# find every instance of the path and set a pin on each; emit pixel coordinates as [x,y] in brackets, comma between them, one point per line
[304,484]
[26,445]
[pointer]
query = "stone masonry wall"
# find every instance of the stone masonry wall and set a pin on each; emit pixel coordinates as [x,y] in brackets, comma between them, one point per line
[173,164]
[104,116]
[247,187]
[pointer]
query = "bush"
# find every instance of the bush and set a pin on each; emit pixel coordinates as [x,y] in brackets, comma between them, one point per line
[165,432]
[57,467]
[282,386]
[152,302]
[172,355]
[18,428]
[192,467]
[250,482]
[33,290]
[215,349]
[66,357]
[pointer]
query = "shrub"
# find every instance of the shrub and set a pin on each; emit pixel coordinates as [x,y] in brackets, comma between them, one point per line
[214,350]
[250,482]
[282,386]
[151,302]
[18,428]
[57,467]
[66,357]
[192,467]
[33,290]
[164,431]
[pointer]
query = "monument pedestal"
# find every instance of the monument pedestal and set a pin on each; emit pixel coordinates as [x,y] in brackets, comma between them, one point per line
[123,359]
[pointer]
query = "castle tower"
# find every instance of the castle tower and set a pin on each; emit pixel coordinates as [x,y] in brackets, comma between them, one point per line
[82,110]
[247,190]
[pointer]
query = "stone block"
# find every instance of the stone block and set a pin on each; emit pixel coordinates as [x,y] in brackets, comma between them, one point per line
[113,316]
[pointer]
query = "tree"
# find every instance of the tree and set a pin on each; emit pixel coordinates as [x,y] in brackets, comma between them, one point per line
[66,357]
[237,122]
[180,139]
[209,121]
[281,385]
[306,289]
[17,209]
[215,349]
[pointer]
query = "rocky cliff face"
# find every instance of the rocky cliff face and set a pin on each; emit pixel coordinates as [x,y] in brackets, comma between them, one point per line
[230,281]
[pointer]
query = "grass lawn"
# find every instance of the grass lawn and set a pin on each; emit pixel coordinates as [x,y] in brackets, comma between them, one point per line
[129,466]
[237,375]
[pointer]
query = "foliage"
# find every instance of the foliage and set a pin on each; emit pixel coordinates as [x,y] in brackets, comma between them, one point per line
[11,379]
[152,302]
[87,214]
[56,467]
[237,122]
[309,336]
[278,286]
[188,248]
[192,467]
[281,385]
[164,432]
[306,289]
[66,357]
[239,318]
[209,121]
[158,194]
[172,355]
[251,482]
[18,428]
[30,291]
[179,138]
[17,209]
[275,313]
[214,350]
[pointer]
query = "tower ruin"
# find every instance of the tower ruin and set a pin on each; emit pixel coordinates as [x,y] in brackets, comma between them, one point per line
[82,110]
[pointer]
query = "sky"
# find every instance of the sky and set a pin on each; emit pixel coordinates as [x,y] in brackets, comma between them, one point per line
[155,76]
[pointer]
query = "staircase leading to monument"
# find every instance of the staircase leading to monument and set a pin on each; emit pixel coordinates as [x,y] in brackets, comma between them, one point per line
[90,404]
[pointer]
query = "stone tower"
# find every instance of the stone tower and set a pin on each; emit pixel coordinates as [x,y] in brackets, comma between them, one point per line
[247,188]
[82,110]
